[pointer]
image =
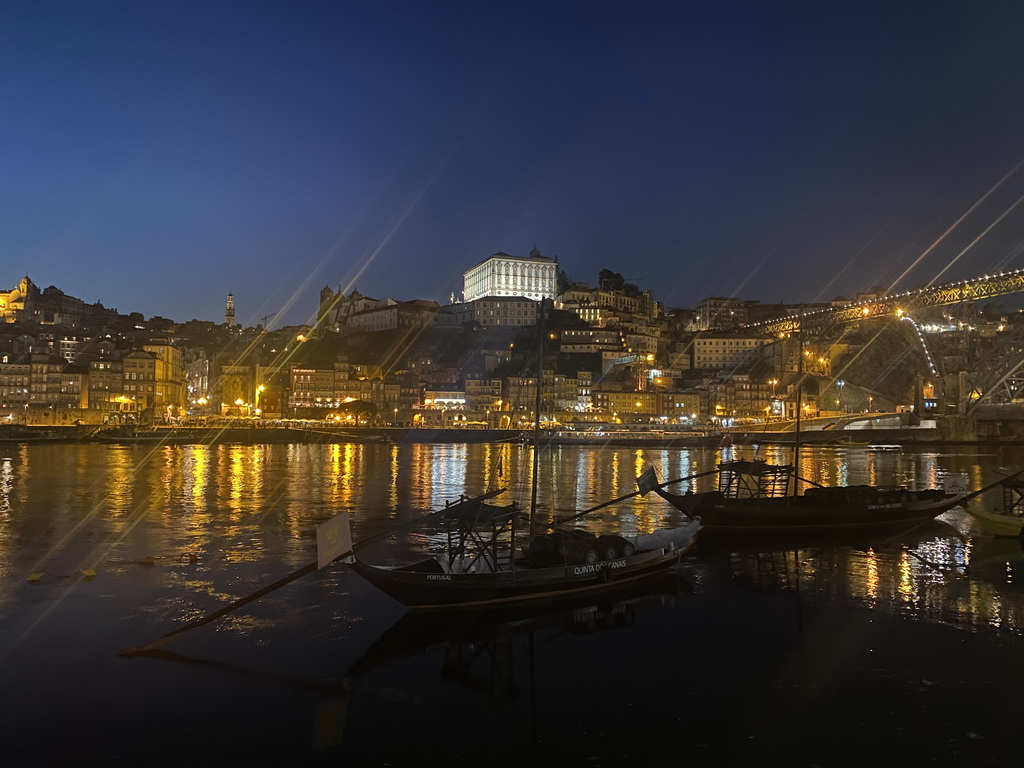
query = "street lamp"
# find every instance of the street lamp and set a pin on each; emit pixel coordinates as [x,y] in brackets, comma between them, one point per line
[840,384]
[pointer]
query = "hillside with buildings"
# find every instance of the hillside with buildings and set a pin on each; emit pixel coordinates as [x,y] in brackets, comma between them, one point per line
[611,353]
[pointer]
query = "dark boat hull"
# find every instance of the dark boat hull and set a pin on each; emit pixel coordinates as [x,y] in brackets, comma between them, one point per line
[833,511]
[423,590]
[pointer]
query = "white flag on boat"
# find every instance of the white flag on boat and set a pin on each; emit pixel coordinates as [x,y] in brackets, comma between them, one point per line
[954,485]
[648,481]
[333,539]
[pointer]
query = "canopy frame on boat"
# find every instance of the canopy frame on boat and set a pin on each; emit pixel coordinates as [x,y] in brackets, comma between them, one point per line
[753,480]
[481,537]
[1013,497]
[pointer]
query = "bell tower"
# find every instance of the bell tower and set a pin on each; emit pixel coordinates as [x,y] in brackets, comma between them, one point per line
[229,311]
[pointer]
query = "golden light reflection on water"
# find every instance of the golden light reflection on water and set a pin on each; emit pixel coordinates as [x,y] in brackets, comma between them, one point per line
[121,481]
[235,479]
[7,491]
[341,474]
[936,579]
[196,470]
[393,473]
[871,579]
[6,486]
[68,507]
[906,588]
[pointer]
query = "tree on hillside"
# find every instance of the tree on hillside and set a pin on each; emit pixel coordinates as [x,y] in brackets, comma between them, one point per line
[610,281]
[613,281]
[563,283]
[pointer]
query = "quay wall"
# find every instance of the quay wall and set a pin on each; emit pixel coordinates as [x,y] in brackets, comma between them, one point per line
[947,430]
[963,429]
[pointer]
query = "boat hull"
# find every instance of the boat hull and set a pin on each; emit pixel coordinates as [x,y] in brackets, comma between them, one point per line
[423,590]
[832,512]
[998,523]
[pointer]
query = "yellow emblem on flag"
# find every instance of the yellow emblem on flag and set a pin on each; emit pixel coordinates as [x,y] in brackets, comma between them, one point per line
[333,539]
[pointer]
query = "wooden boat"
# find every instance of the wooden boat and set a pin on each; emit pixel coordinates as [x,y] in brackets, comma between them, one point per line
[998,523]
[755,497]
[1009,521]
[487,562]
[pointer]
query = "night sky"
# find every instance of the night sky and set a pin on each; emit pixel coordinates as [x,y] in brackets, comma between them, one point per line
[155,156]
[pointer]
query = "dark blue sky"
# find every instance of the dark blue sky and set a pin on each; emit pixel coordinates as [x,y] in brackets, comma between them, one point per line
[154,156]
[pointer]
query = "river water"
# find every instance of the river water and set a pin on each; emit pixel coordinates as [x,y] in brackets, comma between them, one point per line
[900,650]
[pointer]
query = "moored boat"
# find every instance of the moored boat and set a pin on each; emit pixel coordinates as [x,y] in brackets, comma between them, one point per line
[757,497]
[488,562]
[998,523]
[1009,521]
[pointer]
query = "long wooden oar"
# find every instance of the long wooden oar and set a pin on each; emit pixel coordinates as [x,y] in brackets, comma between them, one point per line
[141,649]
[688,477]
[304,570]
[627,496]
[989,487]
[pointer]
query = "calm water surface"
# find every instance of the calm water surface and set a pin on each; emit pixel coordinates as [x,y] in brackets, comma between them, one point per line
[899,650]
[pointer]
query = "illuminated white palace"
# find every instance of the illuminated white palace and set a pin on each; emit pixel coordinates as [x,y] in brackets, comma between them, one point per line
[534,278]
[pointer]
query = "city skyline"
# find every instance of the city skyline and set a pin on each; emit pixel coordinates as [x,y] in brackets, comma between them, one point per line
[163,157]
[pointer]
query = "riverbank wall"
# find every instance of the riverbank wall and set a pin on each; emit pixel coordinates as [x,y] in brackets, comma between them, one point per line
[946,430]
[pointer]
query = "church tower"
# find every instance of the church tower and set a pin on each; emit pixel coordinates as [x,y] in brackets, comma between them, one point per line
[229,311]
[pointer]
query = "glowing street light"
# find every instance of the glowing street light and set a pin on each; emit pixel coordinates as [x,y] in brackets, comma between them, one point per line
[259,393]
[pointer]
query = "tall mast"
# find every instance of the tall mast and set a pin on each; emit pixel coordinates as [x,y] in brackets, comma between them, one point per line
[536,423]
[799,399]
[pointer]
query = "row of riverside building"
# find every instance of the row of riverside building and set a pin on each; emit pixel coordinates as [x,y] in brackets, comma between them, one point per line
[64,362]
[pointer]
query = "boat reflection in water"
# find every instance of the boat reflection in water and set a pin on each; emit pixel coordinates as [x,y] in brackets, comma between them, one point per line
[491,670]
[934,573]
[417,632]
[778,657]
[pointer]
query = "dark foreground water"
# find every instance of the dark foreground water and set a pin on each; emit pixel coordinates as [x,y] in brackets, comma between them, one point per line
[902,650]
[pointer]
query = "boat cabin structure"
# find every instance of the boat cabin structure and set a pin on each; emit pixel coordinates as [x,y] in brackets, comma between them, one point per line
[753,480]
[481,537]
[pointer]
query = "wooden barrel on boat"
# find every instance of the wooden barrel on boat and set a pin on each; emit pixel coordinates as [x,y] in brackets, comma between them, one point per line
[581,552]
[612,547]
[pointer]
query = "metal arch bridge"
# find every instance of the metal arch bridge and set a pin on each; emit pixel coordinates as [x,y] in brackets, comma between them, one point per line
[998,377]
[984,287]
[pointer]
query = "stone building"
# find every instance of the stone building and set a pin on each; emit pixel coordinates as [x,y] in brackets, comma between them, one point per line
[502,274]
[727,351]
[602,308]
[510,311]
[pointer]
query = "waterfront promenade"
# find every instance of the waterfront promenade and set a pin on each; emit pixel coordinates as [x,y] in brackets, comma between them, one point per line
[874,429]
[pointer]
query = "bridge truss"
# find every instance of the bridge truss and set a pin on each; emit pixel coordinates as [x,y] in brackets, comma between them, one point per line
[985,287]
[997,375]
